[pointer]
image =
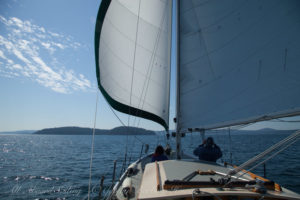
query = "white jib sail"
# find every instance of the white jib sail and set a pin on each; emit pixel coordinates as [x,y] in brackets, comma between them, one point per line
[239,61]
[134,56]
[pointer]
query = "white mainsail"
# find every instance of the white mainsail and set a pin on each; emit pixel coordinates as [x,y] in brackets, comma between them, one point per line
[239,62]
[133,47]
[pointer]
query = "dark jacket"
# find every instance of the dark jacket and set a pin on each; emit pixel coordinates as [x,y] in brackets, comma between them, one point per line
[208,153]
[159,158]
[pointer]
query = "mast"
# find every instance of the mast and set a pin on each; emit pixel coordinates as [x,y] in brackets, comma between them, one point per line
[178,135]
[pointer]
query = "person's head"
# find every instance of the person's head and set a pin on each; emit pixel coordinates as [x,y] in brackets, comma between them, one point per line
[159,150]
[209,141]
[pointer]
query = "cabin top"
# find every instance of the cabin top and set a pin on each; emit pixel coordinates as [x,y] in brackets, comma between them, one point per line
[181,179]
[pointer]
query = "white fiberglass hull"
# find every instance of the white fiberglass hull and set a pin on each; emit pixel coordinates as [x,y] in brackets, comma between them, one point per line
[177,179]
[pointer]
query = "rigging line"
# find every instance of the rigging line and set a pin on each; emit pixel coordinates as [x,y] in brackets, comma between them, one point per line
[230,145]
[116,115]
[267,159]
[150,67]
[289,121]
[131,152]
[259,156]
[123,122]
[126,148]
[134,54]
[242,126]
[269,150]
[275,154]
[151,64]
[92,149]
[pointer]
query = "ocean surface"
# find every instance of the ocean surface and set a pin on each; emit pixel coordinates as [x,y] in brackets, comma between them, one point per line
[57,166]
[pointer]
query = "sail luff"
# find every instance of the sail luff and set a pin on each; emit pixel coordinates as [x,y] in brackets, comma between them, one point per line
[115,63]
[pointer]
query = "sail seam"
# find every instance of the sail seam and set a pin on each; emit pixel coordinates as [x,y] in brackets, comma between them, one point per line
[133,62]
[141,17]
[204,43]
[127,65]
[150,67]
[115,104]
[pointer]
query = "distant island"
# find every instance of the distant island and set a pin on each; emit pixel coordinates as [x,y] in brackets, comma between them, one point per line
[131,131]
[89,131]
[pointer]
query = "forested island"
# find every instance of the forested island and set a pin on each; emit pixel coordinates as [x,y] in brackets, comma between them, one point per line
[89,131]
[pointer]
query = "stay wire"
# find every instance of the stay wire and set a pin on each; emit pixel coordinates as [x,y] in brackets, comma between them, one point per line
[270,157]
[283,144]
[132,78]
[113,111]
[269,150]
[264,161]
[133,62]
[288,121]
[92,149]
[150,68]
[230,144]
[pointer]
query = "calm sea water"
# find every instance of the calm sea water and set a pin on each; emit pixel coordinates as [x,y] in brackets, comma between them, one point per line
[57,167]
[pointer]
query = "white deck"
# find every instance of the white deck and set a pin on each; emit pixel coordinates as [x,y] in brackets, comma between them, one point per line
[177,170]
[144,182]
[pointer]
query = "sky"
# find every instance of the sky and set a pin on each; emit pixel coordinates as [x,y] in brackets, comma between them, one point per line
[47,68]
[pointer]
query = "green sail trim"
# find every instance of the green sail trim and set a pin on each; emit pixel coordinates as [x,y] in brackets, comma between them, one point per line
[115,104]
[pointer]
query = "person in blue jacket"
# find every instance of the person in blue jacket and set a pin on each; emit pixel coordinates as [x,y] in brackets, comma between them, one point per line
[159,154]
[208,151]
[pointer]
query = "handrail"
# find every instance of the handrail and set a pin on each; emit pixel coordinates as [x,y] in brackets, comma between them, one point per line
[124,175]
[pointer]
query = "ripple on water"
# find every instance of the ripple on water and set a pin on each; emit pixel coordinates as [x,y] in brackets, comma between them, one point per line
[58,166]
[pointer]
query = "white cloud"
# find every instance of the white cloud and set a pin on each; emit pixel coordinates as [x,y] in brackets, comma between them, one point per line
[25,73]
[2,55]
[46,45]
[42,29]
[54,34]
[58,45]
[31,51]
[17,66]
[18,54]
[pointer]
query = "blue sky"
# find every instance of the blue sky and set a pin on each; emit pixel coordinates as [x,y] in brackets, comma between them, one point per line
[47,68]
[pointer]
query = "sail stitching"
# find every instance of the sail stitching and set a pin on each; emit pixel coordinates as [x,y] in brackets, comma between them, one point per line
[127,65]
[205,45]
[139,45]
[252,25]
[141,17]
[122,107]
[237,66]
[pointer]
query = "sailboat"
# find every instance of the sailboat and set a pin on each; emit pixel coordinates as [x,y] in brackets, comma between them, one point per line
[237,63]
